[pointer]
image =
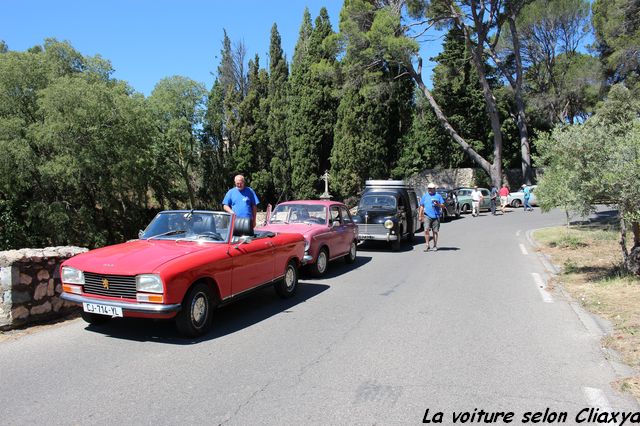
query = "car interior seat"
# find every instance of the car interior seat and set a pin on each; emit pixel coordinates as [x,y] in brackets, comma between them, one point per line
[243,227]
[202,225]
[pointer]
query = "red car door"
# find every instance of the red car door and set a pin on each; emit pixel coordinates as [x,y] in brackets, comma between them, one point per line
[339,231]
[350,228]
[253,264]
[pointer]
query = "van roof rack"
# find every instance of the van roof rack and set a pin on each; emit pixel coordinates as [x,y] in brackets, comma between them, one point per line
[387,183]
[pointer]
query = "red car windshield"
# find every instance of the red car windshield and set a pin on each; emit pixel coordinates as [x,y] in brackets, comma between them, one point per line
[187,225]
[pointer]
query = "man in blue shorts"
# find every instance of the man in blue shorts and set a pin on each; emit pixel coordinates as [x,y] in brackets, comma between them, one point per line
[430,205]
[241,200]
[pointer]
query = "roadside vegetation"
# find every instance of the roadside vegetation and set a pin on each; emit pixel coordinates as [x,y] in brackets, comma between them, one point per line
[86,160]
[592,272]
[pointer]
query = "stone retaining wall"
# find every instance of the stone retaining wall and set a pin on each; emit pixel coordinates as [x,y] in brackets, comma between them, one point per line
[452,178]
[30,285]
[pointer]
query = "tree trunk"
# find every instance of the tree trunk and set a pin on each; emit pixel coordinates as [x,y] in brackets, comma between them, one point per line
[525,150]
[477,55]
[466,148]
[632,261]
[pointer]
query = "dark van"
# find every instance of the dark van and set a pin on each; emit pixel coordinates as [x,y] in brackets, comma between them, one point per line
[387,211]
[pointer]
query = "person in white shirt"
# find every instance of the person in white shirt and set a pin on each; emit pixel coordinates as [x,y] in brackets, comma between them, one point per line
[476,199]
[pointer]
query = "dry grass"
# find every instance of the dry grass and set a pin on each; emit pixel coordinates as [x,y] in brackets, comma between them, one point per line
[591,260]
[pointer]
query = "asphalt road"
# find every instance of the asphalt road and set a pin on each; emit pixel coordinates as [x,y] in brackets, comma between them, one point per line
[377,342]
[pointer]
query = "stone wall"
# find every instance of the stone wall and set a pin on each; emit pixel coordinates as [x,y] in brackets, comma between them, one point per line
[446,178]
[30,285]
[452,178]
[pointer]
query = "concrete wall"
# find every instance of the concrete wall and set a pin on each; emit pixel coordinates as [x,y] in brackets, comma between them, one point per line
[30,285]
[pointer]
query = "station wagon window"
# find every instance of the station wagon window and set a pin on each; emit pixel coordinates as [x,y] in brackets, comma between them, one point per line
[346,216]
[335,214]
[413,200]
[485,192]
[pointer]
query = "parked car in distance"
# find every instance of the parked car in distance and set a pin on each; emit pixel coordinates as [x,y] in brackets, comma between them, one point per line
[327,227]
[516,199]
[452,208]
[184,264]
[387,211]
[464,199]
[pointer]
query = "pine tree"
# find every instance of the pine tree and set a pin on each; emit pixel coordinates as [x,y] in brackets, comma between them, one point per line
[374,108]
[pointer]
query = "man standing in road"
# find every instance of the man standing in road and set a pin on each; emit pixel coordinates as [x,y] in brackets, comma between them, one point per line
[504,194]
[476,200]
[526,192]
[494,196]
[241,200]
[430,205]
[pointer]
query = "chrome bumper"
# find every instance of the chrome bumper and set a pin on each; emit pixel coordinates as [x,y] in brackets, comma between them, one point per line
[147,308]
[306,259]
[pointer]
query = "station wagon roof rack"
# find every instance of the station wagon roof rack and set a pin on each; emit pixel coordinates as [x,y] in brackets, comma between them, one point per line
[387,183]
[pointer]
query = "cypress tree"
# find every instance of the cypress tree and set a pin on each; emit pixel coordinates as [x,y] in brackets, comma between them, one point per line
[278,79]
[312,105]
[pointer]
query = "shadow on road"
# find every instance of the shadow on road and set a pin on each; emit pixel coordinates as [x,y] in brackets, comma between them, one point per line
[373,246]
[417,244]
[251,309]
[600,218]
[338,267]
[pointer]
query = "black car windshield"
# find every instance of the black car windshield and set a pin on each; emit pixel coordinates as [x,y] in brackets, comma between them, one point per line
[378,202]
[299,213]
[187,225]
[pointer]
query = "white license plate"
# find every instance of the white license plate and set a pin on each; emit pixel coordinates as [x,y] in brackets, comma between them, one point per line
[96,308]
[366,237]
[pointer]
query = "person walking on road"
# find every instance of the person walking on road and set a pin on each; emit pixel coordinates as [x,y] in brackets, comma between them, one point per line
[504,194]
[429,212]
[241,200]
[494,197]
[476,200]
[526,191]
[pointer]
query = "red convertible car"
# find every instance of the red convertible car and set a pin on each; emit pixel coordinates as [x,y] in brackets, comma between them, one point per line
[183,265]
[328,229]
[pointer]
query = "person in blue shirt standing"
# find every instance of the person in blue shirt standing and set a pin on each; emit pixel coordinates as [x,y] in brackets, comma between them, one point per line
[431,204]
[526,191]
[241,200]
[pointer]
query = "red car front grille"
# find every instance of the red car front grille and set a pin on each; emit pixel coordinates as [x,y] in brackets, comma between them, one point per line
[110,285]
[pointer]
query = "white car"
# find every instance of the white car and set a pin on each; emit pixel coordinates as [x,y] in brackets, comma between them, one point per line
[516,199]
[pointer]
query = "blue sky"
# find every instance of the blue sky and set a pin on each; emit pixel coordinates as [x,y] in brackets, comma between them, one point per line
[149,40]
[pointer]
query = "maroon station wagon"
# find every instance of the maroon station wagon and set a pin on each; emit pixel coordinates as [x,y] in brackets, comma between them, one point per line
[328,229]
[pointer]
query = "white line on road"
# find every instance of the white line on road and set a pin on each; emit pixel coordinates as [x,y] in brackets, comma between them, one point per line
[542,288]
[523,249]
[596,398]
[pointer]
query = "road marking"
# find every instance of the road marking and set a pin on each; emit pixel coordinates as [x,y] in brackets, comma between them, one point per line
[596,398]
[542,288]
[523,249]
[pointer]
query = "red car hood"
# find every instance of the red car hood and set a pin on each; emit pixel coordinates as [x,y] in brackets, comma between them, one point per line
[136,257]
[298,228]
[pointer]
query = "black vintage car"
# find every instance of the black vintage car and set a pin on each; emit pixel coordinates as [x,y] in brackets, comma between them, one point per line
[387,211]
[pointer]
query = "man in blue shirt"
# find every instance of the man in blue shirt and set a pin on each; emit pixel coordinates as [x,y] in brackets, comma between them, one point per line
[526,191]
[430,205]
[241,200]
